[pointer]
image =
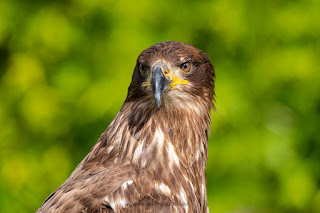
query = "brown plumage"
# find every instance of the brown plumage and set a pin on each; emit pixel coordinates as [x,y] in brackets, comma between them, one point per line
[153,156]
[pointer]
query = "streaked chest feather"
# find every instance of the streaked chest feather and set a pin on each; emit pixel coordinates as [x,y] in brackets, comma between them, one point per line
[171,151]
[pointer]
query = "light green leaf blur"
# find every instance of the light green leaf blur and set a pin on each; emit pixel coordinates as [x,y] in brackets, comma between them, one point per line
[65,67]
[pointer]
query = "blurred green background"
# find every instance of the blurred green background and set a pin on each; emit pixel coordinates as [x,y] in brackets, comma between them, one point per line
[65,67]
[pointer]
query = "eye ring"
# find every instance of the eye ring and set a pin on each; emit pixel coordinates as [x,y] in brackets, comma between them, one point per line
[185,67]
[143,68]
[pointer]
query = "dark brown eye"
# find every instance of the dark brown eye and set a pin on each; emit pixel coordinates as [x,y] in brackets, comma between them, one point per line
[143,68]
[185,67]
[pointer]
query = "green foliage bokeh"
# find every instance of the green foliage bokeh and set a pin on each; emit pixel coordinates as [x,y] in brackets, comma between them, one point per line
[65,67]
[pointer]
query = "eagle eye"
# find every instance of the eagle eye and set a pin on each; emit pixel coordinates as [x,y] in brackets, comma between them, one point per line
[143,68]
[185,67]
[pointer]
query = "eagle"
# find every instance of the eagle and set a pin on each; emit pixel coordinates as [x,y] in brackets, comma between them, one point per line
[153,155]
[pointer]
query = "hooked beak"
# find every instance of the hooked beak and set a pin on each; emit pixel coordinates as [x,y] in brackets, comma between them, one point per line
[159,82]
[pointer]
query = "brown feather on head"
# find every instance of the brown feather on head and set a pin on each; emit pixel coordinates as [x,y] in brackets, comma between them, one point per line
[174,54]
[153,156]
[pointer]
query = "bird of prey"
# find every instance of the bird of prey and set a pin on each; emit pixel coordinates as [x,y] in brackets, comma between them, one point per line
[153,156]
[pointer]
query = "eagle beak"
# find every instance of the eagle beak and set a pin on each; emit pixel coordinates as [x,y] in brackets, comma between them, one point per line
[159,82]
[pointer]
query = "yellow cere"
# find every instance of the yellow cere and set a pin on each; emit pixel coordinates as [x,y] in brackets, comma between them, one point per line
[175,80]
[145,84]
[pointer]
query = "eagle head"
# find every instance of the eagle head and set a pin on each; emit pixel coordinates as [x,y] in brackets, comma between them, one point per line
[170,71]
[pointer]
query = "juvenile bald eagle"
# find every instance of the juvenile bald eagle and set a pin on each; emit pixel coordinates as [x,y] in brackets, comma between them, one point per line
[153,156]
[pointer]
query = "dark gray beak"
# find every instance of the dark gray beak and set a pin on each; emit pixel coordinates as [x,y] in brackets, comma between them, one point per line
[159,82]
